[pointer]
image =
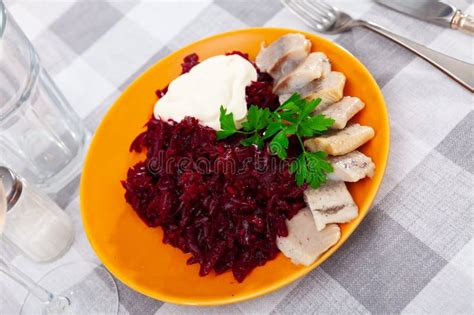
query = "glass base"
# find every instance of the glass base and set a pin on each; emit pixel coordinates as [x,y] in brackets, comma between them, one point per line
[72,169]
[81,288]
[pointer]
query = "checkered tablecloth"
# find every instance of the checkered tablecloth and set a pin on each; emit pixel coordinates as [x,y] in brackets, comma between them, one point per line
[414,251]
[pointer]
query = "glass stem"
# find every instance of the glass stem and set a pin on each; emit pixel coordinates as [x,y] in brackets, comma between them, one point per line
[41,293]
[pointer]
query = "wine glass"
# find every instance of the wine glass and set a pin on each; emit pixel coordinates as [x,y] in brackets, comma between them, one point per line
[79,287]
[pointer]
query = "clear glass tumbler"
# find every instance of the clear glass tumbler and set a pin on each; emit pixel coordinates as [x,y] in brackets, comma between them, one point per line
[41,137]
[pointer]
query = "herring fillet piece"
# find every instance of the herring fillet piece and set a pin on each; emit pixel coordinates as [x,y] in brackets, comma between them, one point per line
[340,142]
[329,88]
[304,243]
[314,66]
[342,111]
[331,203]
[351,167]
[283,55]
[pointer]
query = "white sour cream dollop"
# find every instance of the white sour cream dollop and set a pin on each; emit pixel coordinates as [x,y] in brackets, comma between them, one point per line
[219,80]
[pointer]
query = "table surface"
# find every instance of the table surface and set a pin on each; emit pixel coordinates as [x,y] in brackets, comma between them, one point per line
[414,251]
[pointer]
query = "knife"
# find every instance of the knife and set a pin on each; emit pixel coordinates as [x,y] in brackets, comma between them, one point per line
[433,11]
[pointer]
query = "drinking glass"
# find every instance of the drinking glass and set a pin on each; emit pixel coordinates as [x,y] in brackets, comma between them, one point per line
[75,288]
[41,137]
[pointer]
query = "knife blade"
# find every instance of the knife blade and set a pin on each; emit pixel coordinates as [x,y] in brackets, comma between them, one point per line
[433,11]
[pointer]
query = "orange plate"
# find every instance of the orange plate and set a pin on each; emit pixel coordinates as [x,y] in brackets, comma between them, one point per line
[133,252]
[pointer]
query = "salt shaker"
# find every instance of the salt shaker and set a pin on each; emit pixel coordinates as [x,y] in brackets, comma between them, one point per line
[34,223]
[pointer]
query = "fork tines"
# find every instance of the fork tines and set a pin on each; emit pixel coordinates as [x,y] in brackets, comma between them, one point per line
[316,14]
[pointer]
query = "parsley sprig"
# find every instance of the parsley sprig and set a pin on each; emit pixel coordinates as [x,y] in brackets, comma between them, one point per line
[292,118]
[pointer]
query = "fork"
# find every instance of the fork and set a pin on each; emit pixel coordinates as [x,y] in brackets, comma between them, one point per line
[327,19]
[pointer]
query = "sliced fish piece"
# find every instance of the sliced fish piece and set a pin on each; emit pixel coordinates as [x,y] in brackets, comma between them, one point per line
[351,167]
[283,55]
[329,88]
[314,66]
[342,111]
[304,243]
[340,142]
[326,67]
[288,64]
[331,203]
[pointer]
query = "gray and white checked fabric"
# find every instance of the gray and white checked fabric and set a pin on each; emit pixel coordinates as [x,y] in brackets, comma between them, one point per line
[413,254]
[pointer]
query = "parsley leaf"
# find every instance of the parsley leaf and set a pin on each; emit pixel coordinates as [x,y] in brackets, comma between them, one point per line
[257,118]
[317,124]
[273,128]
[309,107]
[279,144]
[227,124]
[292,99]
[311,168]
[255,139]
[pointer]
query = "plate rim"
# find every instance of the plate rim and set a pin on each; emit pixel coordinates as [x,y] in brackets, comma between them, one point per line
[284,281]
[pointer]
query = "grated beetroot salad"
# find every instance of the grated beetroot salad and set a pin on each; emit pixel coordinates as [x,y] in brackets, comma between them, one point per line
[223,203]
